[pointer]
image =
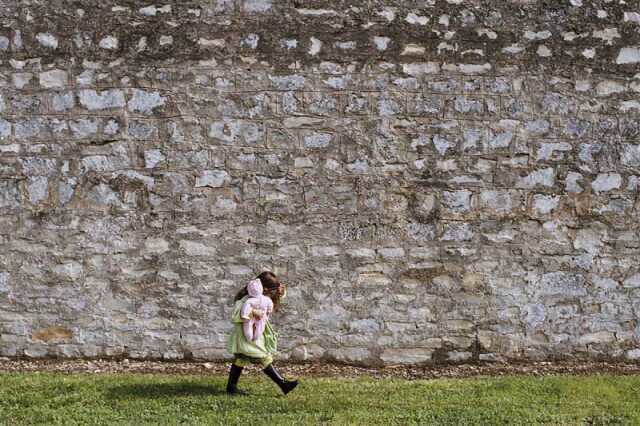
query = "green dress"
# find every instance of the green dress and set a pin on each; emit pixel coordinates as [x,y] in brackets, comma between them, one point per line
[245,352]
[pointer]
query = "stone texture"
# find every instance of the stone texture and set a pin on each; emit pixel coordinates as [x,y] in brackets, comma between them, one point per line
[144,101]
[93,100]
[53,79]
[468,174]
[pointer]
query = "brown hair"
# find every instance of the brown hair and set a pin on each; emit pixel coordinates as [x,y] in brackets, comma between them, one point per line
[271,286]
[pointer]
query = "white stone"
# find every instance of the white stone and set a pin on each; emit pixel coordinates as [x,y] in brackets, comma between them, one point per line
[346,45]
[83,127]
[104,194]
[109,42]
[381,42]
[4,282]
[11,148]
[213,179]
[544,51]
[288,82]
[628,55]
[413,50]
[317,140]
[609,87]
[9,194]
[627,106]
[166,40]
[415,19]
[460,231]
[388,14]
[457,201]
[547,150]
[47,40]
[572,183]
[323,251]
[598,337]
[589,53]
[632,282]
[144,101]
[236,132]
[38,189]
[91,100]
[420,68]
[20,80]
[391,252]
[532,35]
[633,354]
[169,275]
[373,279]
[630,155]
[257,6]
[608,35]
[316,12]
[217,42]
[361,253]
[588,240]
[474,68]
[315,47]
[499,201]
[153,10]
[152,157]
[545,204]
[156,245]
[406,356]
[606,182]
[303,162]
[632,17]
[225,204]
[346,354]
[604,283]
[513,49]
[5,129]
[194,248]
[289,43]
[535,314]
[72,270]
[542,177]
[53,79]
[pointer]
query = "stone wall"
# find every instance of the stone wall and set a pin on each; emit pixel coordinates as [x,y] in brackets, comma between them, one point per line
[437,180]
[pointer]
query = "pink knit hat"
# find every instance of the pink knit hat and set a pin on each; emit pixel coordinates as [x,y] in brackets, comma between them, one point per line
[254,288]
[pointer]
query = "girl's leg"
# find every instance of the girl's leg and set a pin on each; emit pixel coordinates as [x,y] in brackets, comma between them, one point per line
[285,385]
[234,375]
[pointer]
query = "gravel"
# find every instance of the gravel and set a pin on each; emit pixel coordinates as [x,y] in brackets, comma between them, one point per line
[317,369]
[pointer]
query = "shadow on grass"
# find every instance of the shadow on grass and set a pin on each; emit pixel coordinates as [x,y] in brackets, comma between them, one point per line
[162,390]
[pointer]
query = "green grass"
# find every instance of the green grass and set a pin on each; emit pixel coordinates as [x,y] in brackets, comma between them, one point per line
[130,399]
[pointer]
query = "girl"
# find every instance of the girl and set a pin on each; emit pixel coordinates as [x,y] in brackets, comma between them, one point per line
[259,351]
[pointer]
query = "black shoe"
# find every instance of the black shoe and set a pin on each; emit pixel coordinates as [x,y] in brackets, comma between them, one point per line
[285,385]
[232,383]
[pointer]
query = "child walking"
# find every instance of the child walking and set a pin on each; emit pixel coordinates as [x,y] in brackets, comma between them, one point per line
[250,343]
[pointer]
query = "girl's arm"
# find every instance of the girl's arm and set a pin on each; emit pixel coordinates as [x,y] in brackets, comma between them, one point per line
[245,312]
[282,290]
